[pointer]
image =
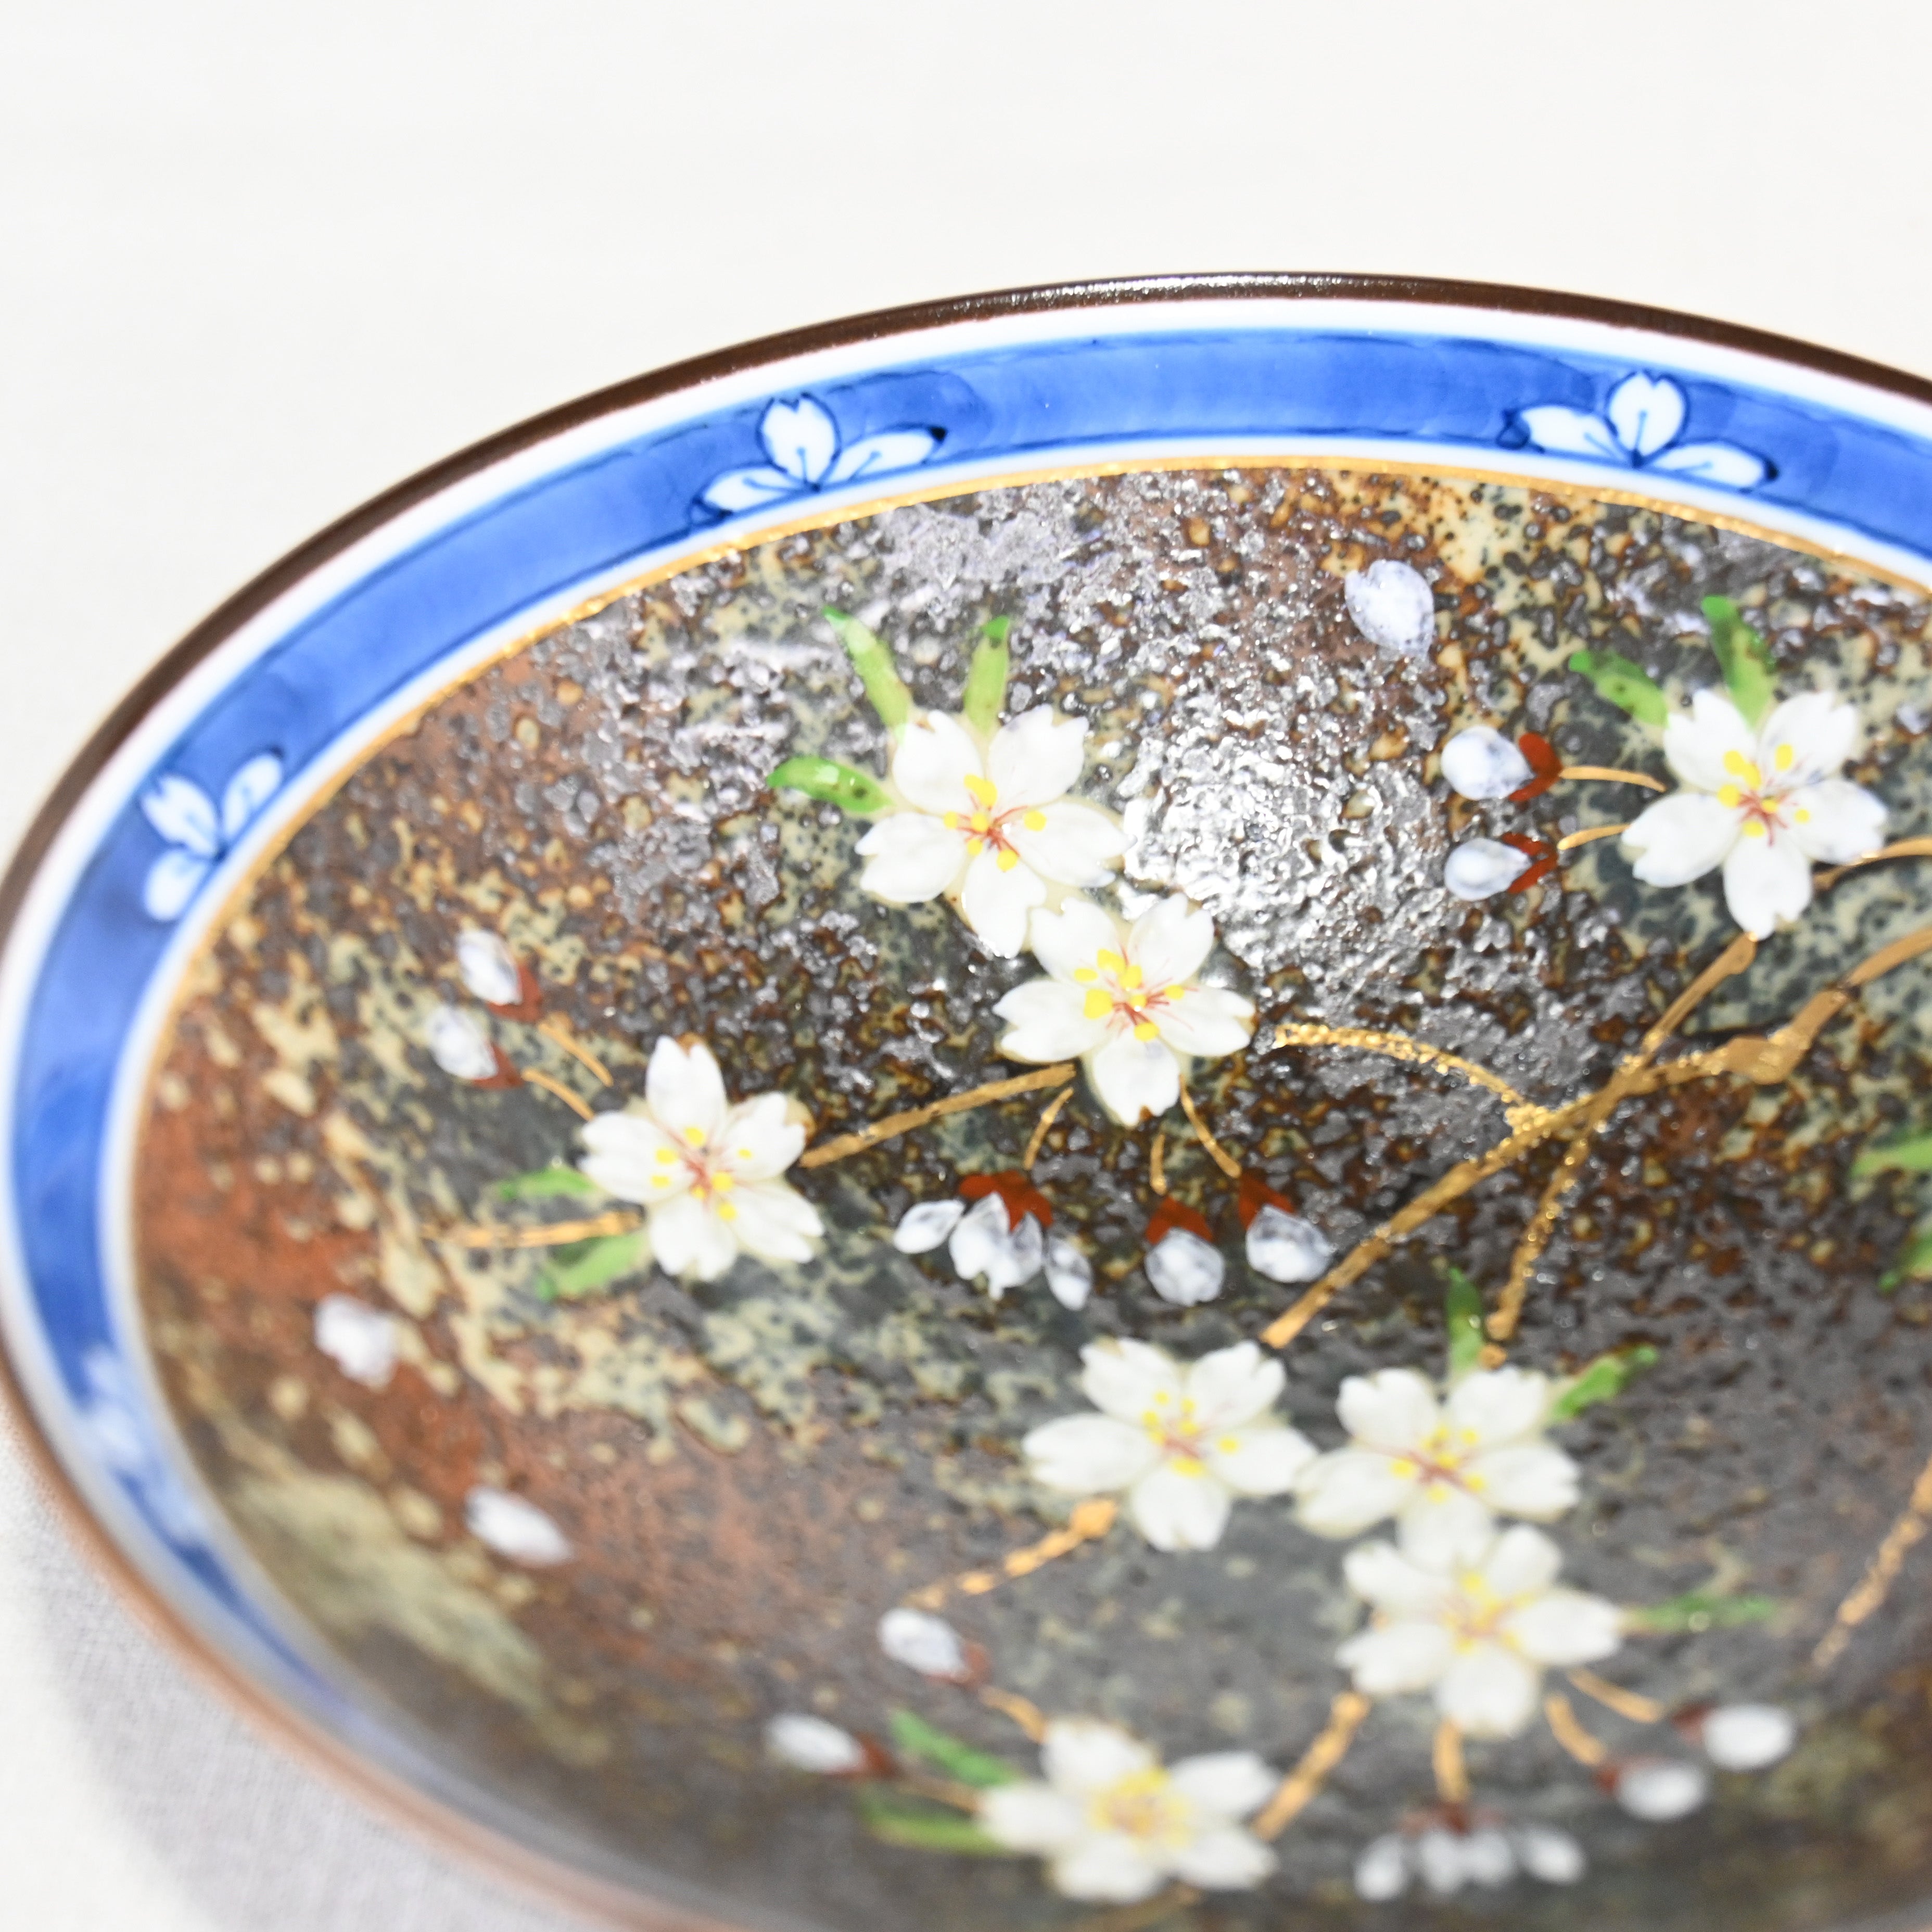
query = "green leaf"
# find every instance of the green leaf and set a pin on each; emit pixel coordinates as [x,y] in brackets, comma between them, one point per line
[1608,1376]
[1912,1155]
[1741,651]
[831,783]
[917,1738]
[1914,1265]
[1700,1610]
[877,672]
[545,1182]
[584,1267]
[925,1828]
[986,681]
[1463,1309]
[1628,686]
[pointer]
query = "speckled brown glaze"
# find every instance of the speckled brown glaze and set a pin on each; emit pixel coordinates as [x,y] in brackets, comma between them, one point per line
[750,1472]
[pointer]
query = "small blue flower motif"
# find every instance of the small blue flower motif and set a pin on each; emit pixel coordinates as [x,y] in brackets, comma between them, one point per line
[197,834]
[112,1421]
[1639,430]
[803,444]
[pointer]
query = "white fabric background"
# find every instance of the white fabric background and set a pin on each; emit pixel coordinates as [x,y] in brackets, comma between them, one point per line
[258,262]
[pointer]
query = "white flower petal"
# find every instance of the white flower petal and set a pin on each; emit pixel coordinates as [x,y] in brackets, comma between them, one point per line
[807,1743]
[1549,1855]
[1070,1274]
[1438,1858]
[985,1248]
[1348,1490]
[1066,940]
[1133,1078]
[924,1643]
[685,1091]
[1821,731]
[750,489]
[1567,432]
[1646,413]
[1084,1755]
[1382,1575]
[632,1157]
[172,880]
[1036,758]
[911,858]
[772,1220]
[250,788]
[359,1339]
[1748,1737]
[1393,606]
[1381,1871]
[1185,1270]
[1047,1021]
[488,968]
[1088,1455]
[1440,1526]
[926,1224]
[1229,1859]
[1494,1406]
[1031,1816]
[1075,845]
[1724,463]
[1566,1627]
[1177,1508]
[1393,1409]
[1535,1480]
[1208,1022]
[514,1527]
[1107,1868]
[1521,1562]
[689,1240]
[932,762]
[1234,1385]
[1681,837]
[1479,868]
[1488,1858]
[1697,742]
[881,454]
[1767,880]
[1479,763]
[183,814]
[1388,1659]
[1837,821]
[800,438]
[997,900]
[1658,1789]
[1230,1784]
[459,1043]
[1488,1692]
[1170,942]
[1286,1248]
[1127,1379]
[761,1137]
[1259,1460]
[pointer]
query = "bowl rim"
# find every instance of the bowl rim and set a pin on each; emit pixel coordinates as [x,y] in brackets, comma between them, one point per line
[440,1825]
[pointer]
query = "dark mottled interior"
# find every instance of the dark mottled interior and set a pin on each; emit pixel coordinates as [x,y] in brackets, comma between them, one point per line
[751,1472]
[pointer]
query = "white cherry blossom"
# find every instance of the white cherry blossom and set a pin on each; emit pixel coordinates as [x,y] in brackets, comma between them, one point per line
[1479,1636]
[1115,1825]
[1125,1001]
[1000,1240]
[804,451]
[515,1528]
[1445,1469]
[1642,420]
[806,1743]
[1764,805]
[705,1170]
[1447,1856]
[987,822]
[1182,1441]
[1479,763]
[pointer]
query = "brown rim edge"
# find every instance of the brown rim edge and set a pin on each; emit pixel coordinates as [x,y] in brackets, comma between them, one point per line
[441,1826]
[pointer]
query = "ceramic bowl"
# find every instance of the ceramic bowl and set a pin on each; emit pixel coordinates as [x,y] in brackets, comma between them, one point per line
[1102,1107]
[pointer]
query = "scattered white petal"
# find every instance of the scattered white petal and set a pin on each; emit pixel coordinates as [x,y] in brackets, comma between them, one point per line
[360,1340]
[1657,1789]
[489,968]
[1479,868]
[515,1528]
[459,1043]
[1184,1269]
[810,1744]
[1070,1274]
[1748,1737]
[1393,606]
[1549,1855]
[1481,763]
[924,1643]
[923,1226]
[984,1249]
[1286,1248]
[1487,1858]
[1382,1871]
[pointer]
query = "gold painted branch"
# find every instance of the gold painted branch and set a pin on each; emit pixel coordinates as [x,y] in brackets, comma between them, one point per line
[1091,1521]
[893,1125]
[1329,1747]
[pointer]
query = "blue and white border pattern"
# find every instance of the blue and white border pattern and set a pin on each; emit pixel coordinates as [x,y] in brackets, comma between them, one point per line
[229,758]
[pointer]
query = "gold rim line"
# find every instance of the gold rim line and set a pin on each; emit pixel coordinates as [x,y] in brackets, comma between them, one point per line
[1613,775]
[1573,840]
[893,1125]
[1330,1746]
[1216,1153]
[1875,1585]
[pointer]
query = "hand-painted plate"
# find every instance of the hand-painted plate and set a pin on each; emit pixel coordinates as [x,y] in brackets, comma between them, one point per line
[1105,1108]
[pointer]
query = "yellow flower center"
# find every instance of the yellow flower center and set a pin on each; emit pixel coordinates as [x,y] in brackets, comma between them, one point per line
[1118,990]
[986,829]
[1145,1806]
[1767,806]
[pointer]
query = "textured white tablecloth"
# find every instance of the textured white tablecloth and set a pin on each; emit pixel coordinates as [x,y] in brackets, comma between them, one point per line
[258,262]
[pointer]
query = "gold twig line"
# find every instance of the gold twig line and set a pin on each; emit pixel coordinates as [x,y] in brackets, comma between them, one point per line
[1024,1711]
[1037,1139]
[1905,848]
[537,1077]
[555,1029]
[1157,1162]
[1614,774]
[893,1125]
[943,1790]
[1875,1585]
[1216,1153]
[553,1234]
[1585,837]
[1089,1521]
[1399,1046]
[1584,1746]
[1631,1704]
[1345,1719]
[1452,1775]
